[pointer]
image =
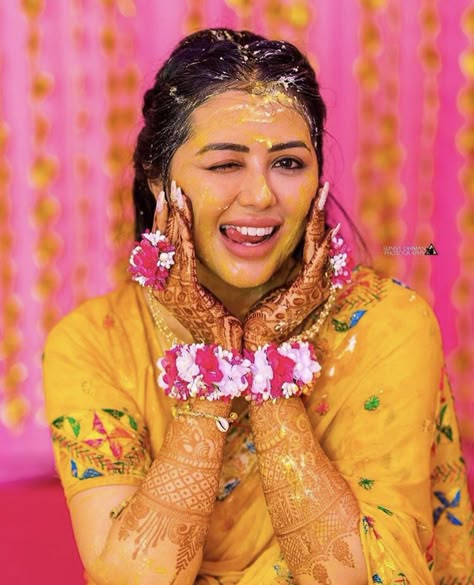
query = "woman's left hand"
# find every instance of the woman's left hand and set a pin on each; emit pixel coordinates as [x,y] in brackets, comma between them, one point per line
[275,317]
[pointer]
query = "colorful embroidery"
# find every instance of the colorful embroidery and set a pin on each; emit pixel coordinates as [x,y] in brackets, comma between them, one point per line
[94,443]
[376,578]
[385,510]
[400,283]
[454,470]
[322,408]
[442,428]
[365,483]
[447,503]
[372,403]
[369,524]
[354,319]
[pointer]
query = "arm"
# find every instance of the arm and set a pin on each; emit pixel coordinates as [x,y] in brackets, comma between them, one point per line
[313,511]
[159,535]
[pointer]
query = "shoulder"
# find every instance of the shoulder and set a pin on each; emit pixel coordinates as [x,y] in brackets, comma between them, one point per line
[98,317]
[381,304]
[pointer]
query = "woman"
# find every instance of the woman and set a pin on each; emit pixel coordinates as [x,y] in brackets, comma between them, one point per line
[353,474]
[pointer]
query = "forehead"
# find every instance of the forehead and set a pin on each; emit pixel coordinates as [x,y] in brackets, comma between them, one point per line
[238,113]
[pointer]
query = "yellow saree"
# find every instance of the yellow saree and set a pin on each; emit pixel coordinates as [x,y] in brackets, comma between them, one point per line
[382,410]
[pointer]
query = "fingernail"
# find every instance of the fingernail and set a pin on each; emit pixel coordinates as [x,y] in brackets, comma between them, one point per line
[179,198]
[336,230]
[323,197]
[173,191]
[160,201]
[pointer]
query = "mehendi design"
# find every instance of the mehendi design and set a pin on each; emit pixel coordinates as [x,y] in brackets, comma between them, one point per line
[284,311]
[176,499]
[313,512]
[203,315]
[149,521]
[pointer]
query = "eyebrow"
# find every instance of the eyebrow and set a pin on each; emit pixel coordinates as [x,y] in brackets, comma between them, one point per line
[242,148]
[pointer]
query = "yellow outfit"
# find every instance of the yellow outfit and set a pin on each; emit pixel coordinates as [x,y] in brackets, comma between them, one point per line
[382,411]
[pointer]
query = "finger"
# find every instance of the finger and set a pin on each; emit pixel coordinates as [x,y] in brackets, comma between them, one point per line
[185,204]
[314,231]
[323,196]
[187,253]
[320,260]
[160,218]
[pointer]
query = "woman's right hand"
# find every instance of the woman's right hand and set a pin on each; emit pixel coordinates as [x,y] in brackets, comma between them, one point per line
[197,309]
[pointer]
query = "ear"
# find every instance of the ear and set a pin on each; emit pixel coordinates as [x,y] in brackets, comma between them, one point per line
[155,186]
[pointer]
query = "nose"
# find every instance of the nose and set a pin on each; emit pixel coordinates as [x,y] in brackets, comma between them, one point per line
[256,192]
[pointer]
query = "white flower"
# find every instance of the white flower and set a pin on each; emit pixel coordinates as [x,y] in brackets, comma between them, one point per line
[233,383]
[288,389]
[154,237]
[305,366]
[166,260]
[262,374]
[186,363]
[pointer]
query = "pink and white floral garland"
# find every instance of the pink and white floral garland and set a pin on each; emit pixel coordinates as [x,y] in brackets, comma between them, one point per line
[342,262]
[151,260]
[211,372]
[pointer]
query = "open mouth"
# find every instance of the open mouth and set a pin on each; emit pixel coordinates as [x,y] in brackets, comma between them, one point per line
[247,235]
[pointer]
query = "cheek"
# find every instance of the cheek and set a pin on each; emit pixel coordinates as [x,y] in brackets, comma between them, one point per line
[296,205]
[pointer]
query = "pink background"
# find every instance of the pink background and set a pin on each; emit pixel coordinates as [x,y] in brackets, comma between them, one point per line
[65,233]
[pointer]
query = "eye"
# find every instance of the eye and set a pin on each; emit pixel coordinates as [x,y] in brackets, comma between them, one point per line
[224,167]
[289,164]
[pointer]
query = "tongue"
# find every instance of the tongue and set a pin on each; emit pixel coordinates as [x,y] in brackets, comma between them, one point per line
[239,238]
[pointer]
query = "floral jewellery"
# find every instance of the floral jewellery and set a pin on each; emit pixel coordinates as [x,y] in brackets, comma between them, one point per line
[281,371]
[213,373]
[222,423]
[203,371]
[151,260]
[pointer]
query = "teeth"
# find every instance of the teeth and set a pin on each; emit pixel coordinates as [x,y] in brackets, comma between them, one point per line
[252,231]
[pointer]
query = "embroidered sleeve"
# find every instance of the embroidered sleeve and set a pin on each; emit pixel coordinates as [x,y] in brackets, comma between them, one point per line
[99,447]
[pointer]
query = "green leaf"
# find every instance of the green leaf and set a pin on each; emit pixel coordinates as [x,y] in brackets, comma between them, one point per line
[442,412]
[447,432]
[133,423]
[386,510]
[115,413]
[372,403]
[75,425]
[58,422]
[365,483]
[340,325]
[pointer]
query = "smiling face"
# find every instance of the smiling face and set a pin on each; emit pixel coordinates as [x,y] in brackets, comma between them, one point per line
[250,171]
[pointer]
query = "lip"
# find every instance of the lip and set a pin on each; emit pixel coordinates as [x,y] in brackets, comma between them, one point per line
[250,252]
[253,222]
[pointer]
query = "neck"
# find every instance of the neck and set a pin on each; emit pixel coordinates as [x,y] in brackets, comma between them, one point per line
[239,300]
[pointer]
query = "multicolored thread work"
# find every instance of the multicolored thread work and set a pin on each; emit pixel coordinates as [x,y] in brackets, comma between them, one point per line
[99,443]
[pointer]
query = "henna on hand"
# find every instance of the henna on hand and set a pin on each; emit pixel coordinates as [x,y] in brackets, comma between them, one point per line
[170,513]
[275,317]
[313,511]
[193,305]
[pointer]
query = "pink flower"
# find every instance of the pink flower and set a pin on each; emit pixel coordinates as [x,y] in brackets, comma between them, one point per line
[282,366]
[151,260]
[306,364]
[208,365]
[341,261]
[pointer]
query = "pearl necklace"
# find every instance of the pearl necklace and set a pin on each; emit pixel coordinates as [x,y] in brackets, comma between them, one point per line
[312,331]
[159,321]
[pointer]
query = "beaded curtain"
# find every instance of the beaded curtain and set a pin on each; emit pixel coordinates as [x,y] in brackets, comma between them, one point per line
[398,80]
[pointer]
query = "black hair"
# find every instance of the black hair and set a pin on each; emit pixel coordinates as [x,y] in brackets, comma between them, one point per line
[205,64]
